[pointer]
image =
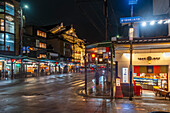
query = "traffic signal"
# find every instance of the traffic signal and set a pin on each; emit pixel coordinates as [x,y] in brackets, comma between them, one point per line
[13,60]
[93,57]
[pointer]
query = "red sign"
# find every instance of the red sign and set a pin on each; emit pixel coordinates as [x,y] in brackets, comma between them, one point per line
[107,49]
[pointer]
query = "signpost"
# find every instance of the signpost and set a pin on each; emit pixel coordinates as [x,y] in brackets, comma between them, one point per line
[133,2]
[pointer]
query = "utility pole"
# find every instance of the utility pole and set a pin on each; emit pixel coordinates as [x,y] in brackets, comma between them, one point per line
[131,31]
[85,61]
[21,38]
[106,17]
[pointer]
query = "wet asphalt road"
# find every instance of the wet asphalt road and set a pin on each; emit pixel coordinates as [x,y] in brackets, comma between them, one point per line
[57,94]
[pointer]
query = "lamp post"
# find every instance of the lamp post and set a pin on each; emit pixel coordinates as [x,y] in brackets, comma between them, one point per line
[21,29]
[21,34]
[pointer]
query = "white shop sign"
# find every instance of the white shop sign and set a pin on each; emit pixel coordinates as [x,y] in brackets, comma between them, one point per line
[125,75]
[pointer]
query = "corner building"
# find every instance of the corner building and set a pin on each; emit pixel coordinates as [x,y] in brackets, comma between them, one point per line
[151,62]
[9,36]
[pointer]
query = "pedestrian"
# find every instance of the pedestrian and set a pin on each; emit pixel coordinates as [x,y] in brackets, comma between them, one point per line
[97,77]
[108,80]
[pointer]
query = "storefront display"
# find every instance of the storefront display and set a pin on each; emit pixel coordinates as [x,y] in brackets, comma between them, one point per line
[149,76]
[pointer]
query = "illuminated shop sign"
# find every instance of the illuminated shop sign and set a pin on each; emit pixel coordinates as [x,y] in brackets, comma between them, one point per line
[149,58]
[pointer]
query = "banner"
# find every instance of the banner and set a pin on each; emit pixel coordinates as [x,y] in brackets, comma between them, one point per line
[161,7]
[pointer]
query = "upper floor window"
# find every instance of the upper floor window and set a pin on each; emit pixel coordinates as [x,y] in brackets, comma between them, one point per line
[1,6]
[42,34]
[9,8]
[43,45]
[9,24]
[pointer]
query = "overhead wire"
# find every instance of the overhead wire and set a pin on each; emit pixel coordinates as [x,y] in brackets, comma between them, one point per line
[103,23]
[89,18]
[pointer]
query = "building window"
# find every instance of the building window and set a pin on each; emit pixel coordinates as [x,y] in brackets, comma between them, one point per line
[9,42]
[1,41]
[43,45]
[9,24]
[41,34]
[1,6]
[9,9]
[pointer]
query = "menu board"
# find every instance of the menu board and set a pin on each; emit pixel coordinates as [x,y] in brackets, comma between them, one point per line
[125,75]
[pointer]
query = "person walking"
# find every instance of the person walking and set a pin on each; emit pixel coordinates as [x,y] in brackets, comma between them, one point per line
[97,77]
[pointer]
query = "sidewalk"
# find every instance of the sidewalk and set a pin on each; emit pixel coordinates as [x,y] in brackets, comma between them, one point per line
[103,91]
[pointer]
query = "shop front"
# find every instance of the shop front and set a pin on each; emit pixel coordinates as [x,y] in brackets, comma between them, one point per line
[150,69]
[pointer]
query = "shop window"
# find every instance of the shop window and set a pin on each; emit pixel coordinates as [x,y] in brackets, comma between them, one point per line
[1,6]
[9,9]
[1,41]
[9,42]
[43,45]
[9,24]
[42,56]
[41,34]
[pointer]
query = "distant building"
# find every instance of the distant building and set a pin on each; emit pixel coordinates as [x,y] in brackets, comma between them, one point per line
[35,39]
[59,49]
[68,33]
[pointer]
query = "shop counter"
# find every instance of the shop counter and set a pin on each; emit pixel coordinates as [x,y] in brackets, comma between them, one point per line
[147,86]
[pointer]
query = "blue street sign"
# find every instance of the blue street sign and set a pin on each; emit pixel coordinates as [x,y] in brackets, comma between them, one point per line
[132,2]
[24,49]
[130,19]
[28,49]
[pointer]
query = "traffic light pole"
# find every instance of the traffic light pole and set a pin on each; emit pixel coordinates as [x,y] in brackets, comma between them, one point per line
[112,52]
[85,61]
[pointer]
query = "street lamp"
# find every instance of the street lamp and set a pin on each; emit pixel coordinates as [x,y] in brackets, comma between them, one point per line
[26,6]
[144,24]
[152,22]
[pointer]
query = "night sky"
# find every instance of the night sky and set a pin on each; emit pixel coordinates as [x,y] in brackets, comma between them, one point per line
[86,17]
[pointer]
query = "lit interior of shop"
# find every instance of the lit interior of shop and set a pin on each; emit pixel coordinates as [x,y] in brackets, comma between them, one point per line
[149,77]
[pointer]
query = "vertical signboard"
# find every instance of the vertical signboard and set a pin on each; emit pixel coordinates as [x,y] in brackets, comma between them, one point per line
[117,81]
[131,33]
[125,75]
